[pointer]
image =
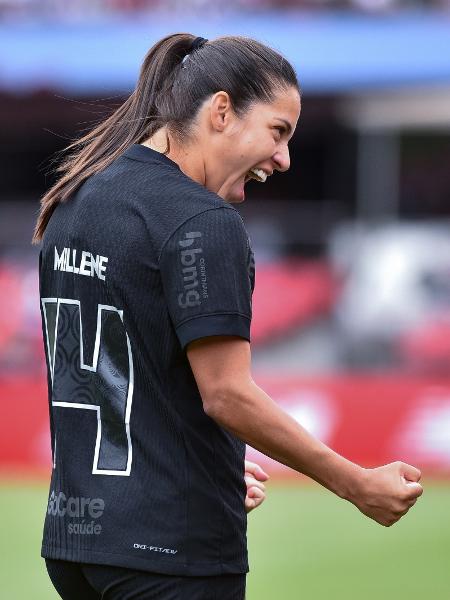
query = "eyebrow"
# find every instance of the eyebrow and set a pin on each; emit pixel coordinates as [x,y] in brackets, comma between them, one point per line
[286,124]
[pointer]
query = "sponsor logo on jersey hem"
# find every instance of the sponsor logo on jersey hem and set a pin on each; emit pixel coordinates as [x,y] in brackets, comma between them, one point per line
[84,528]
[154,549]
[60,505]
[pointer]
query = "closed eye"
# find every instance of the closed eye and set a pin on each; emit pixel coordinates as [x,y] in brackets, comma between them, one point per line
[286,127]
[281,130]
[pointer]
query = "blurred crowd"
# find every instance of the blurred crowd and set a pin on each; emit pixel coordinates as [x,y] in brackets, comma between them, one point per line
[85,9]
[378,299]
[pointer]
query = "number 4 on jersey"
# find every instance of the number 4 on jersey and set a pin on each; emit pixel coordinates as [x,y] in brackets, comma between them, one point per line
[105,387]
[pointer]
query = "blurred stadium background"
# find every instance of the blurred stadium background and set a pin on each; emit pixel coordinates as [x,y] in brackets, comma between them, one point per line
[351,328]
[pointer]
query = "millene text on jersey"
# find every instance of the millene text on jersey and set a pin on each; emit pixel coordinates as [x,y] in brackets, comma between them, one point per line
[88,264]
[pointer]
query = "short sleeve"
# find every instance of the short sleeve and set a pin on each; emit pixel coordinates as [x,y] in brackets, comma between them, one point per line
[207,273]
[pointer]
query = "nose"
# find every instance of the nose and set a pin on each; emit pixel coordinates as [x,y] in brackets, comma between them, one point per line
[282,159]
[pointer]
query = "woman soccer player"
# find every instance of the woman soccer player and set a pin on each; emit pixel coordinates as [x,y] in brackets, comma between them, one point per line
[146,277]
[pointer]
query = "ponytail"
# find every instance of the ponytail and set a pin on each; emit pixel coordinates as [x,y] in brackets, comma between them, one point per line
[132,122]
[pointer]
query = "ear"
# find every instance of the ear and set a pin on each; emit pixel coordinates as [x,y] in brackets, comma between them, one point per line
[221,111]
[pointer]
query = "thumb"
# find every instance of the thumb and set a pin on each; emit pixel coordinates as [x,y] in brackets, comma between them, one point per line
[415,489]
[255,470]
[410,473]
[260,474]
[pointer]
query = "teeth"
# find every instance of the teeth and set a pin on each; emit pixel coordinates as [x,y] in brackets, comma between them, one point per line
[258,174]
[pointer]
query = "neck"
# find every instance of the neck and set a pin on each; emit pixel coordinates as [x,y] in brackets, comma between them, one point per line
[187,157]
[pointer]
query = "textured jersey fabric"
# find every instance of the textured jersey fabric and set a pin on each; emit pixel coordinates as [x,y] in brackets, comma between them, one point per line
[137,264]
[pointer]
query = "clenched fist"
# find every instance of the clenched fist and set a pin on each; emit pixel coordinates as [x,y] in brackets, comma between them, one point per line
[386,493]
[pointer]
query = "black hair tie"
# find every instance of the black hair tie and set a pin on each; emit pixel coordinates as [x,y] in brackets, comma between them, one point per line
[198,43]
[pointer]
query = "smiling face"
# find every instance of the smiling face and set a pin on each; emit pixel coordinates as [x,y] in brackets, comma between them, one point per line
[253,146]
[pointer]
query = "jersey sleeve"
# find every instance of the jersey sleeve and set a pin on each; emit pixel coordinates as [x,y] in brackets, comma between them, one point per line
[207,274]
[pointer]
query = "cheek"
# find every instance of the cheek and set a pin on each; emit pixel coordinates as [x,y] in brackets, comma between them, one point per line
[264,147]
[248,145]
[241,149]
[261,137]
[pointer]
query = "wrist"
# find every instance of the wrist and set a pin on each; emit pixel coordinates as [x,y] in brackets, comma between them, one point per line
[350,481]
[339,475]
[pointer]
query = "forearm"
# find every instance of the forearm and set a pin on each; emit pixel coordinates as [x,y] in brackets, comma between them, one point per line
[254,417]
[221,367]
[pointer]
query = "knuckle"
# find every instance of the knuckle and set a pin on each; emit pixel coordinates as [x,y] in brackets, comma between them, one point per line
[405,496]
[404,506]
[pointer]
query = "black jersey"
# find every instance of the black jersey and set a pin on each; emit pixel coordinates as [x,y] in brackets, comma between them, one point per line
[137,264]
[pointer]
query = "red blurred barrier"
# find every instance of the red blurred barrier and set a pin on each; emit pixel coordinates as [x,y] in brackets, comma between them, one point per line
[24,430]
[308,288]
[367,418]
[370,419]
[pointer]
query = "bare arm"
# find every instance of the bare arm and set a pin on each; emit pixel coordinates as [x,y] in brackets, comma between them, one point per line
[221,366]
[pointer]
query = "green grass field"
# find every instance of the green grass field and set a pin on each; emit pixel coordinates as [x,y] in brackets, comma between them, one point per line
[304,544]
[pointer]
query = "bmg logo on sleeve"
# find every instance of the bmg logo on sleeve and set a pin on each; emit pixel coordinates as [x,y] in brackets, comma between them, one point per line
[193,280]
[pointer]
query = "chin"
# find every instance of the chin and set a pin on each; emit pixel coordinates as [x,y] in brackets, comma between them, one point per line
[234,194]
[235,198]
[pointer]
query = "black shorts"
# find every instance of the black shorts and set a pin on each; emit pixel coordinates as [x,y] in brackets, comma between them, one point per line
[77,581]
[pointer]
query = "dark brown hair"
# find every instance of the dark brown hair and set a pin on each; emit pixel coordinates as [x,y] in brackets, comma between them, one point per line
[169,92]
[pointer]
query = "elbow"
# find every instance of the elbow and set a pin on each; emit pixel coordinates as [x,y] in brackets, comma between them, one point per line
[222,404]
[215,403]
